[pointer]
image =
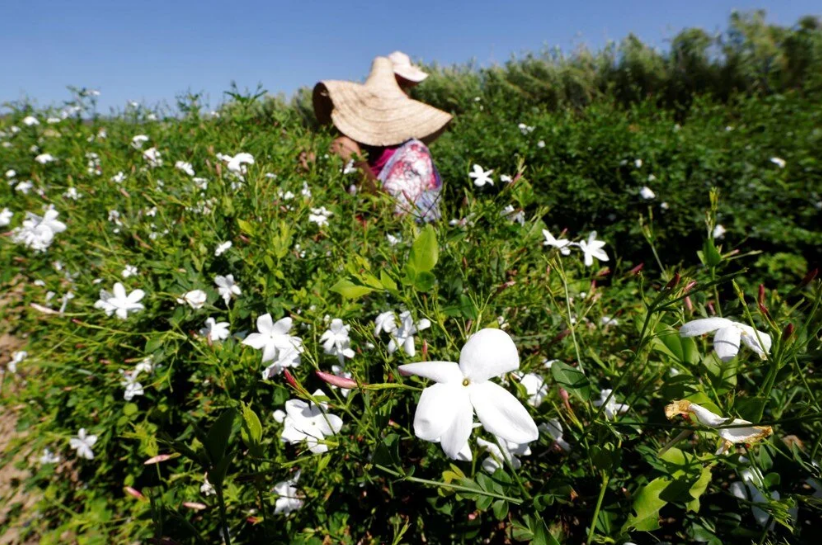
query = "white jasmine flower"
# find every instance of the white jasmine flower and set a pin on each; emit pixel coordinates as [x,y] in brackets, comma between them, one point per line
[501,452]
[445,410]
[130,270]
[49,457]
[535,386]
[273,337]
[728,335]
[607,321]
[226,286]
[216,331]
[38,232]
[638,163]
[349,168]
[133,388]
[221,248]
[554,428]
[403,336]
[286,357]
[719,231]
[118,178]
[592,248]
[646,193]
[525,129]
[336,341]
[309,422]
[153,157]
[612,408]
[30,121]
[541,144]
[10,173]
[237,164]
[513,215]
[287,499]
[45,158]
[71,193]
[16,358]
[145,366]
[138,141]
[319,216]
[778,161]
[731,430]
[24,187]
[185,167]
[664,205]
[481,176]
[83,443]
[392,240]
[5,217]
[201,183]
[194,298]
[119,302]
[207,489]
[563,245]
[387,321]
[506,179]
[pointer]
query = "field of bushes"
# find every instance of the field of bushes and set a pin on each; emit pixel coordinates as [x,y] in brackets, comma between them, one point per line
[205,340]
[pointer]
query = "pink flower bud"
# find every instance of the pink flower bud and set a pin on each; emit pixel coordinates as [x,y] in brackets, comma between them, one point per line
[637,269]
[690,285]
[339,382]
[689,305]
[196,506]
[134,493]
[157,459]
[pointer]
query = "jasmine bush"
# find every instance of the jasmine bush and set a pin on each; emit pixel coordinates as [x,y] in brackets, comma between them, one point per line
[212,343]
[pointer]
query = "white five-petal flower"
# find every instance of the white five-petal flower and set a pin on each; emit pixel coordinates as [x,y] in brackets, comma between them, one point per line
[501,452]
[194,298]
[731,430]
[403,336]
[214,330]
[83,443]
[445,411]
[562,244]
[592,248]
[119,302]
[728,335]
[612,408]
[481,176]
[309,422]
[287,499]
[227,287]
[133,388]
[185,167]
[336,340]
[273,337]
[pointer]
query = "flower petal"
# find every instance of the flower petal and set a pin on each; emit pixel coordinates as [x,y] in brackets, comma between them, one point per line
[265,324]
[749,337]
[281,327]
[726,342]
[255,340]
[488,353]
[456,436]
[444,372]
[695,328]
[437,410]
[501,413]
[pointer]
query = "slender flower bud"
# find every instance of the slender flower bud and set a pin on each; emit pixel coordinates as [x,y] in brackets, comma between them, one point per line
[809,278]
[787,332]
[196,506]
[334,380]
[157,459]
[673,282]
[290,379]
[637,269]
[711,308]
[604,272]
[689,305]
[424,350]
[690,285]
[134,493]
[563,393]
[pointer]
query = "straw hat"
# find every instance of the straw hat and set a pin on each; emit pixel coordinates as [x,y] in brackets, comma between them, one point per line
[377,113]
[404,69]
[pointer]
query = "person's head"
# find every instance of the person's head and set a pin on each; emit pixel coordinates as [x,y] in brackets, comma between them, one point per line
[377,113]
[406,74]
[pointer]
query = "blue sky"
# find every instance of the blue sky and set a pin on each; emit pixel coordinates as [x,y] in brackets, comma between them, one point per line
[150,50]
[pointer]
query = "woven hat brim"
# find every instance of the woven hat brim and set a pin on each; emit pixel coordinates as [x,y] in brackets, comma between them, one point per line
[377,118]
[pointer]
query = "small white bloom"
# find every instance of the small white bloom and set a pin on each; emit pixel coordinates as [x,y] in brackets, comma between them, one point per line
[194,298]
[647,193]
[237,164]
[612,408]
[592,248]
[226,286]
[118,178]
[336,341]
[145,366]
[386,321]
[513,215]
[30,121]
[49,457]
[71,193]
[319,216]
[11,173]
[119,302]
[554,428]
[45,158]
[728,335]
[541,144]
[133,388]
[505,178]
[287,499]
[138,141]
[221,248]
[731,430]
[778,161]
[273,337]
[214,330]
[153,157]
[83,443]
[5,217]
[403,336]
[392,240]
[481,176]
[309,422]
[562,244]
[24,187]
[501,452]
[719,231]
[130,270]
[185,167]
[535,386]
[638,163]
[16,358]
[207,489]
[607,321]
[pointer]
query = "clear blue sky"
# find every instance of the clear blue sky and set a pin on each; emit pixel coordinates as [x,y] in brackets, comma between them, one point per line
[150,51]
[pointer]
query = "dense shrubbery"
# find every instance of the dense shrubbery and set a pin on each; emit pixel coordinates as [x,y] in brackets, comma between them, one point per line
[162,382]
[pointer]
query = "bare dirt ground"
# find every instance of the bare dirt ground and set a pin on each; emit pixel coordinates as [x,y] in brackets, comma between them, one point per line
[12,495]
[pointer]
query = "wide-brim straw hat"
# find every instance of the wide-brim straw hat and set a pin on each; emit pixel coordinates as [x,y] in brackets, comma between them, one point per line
[377,113]
[404,69]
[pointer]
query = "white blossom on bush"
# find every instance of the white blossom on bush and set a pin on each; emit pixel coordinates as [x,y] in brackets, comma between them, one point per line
[119,302]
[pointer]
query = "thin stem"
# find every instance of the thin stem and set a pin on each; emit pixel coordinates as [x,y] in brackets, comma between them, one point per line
[592,529]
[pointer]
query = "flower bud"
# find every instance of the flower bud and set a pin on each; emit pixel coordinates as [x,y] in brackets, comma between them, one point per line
[339,382]
[157,459]
[787,332]
[809,278]
[637,269]
[761,299]
[196,506]
[134,493]
[688,304]
[673,282]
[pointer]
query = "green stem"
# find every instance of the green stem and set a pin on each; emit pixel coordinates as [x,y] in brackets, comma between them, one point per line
[457,487]
[592,529]
[223,517]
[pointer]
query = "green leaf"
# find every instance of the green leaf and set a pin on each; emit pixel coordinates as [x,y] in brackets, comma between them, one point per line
[425,281]
[500,508]
[350,290]
[129,409]
[572,379]
[387,281]
[698,488]
[216,441]
[252,430]
[647,504]
[424,251]
[710,255]
[217,475]
[246,227]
